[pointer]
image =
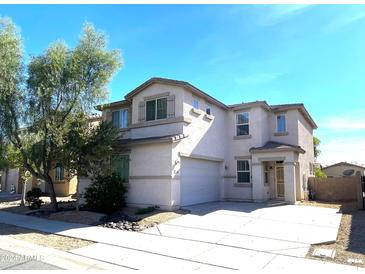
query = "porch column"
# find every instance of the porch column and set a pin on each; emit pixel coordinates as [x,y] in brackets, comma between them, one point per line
[289,182]
[258,182]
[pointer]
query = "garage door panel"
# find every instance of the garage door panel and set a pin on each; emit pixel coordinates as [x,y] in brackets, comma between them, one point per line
[199,181]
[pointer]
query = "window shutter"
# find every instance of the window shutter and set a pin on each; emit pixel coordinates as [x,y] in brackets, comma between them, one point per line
[142,111]
[171,106]
[129,116]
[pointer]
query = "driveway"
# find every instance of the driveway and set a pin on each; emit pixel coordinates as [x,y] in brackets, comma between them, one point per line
[285,230]
[213,236]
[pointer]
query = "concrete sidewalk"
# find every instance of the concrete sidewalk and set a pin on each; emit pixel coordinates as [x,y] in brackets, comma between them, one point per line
[40,257]
[145,251]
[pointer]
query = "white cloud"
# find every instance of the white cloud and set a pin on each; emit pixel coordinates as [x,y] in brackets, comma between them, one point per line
[343,150]
[342,21]
[258,78]
[278,13]
[354,120]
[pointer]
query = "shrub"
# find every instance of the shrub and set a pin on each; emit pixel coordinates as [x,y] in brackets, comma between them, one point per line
[318,172]
[106,194]
[33,198]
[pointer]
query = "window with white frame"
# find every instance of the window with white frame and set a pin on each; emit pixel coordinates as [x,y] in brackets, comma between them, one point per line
[195,103]
[242,124]
[120,118]
[243,172]
[156,109]
[208,109]
[280,123]
[59,173]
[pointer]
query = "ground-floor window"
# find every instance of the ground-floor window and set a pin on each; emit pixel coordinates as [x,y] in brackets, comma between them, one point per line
[59,173]
[243,171]
[120,166]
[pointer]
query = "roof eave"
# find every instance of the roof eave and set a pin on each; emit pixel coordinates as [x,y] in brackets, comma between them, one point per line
[255,150]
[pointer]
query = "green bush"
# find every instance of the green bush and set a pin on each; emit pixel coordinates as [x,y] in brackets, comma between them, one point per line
[106,194]
[33,198]
[318,172]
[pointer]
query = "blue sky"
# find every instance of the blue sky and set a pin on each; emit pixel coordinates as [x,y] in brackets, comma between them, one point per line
[236,53]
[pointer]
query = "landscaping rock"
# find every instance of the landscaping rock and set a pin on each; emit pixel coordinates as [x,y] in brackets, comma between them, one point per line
[123,225]
[122,221]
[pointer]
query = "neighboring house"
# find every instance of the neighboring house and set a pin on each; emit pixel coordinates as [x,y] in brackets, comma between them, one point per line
[64,185]
[179,146]
[344,169]
[10,178]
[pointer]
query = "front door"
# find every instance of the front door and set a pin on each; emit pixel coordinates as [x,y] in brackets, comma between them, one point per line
[279,182]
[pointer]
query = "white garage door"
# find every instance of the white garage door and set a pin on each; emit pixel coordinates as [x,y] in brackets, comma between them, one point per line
[199,181]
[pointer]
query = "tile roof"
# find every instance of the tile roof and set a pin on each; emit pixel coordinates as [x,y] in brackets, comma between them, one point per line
[271,145]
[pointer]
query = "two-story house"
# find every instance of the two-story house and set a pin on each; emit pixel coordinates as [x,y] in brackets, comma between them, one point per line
[180,146]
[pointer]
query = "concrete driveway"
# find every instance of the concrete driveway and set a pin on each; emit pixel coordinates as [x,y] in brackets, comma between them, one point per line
[285,230]
[214,237]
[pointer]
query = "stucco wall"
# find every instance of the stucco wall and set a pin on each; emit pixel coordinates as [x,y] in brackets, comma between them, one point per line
[335,189]
[206,137]
[239,147]
[150,175]
[290,162]
[291,117]
[12,179]
[337,171]
[155,89]
[305,140]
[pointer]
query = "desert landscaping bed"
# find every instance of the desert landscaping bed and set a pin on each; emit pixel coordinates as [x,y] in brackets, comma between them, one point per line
[350,245]
[40,238]
[132,219]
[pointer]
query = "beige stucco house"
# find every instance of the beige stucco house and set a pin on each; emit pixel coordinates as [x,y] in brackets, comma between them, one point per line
[180,146]
[344,169]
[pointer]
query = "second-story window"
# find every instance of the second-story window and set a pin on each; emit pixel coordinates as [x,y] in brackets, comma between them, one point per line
[195,103]
[242,124]
[120,118]
[280,123]
[156,109]
[208,109]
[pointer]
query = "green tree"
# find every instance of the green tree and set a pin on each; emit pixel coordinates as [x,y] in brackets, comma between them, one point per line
[10,157]
[318,172]
[316,143]
[38,104]
[87,149]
